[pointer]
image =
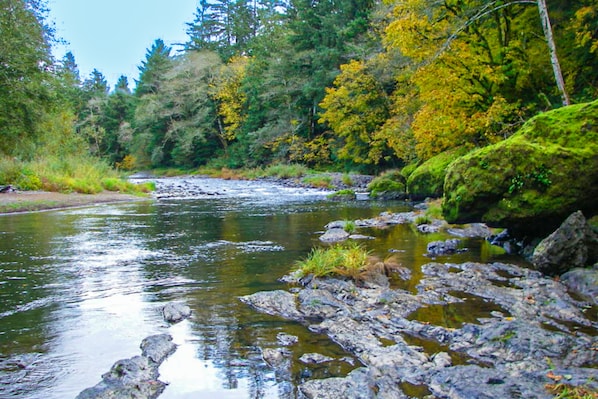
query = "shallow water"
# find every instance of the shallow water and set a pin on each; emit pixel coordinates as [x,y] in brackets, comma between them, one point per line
[80,288]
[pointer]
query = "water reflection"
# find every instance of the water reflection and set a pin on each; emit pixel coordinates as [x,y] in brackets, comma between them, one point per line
[80,289]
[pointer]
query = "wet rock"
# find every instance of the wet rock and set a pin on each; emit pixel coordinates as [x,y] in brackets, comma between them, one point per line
[315,358]
[583,282]
[276,357]
[277,303]
[137,377]
[572,245]
[436,248]
[428,228]
[521,323]
[286,339]
[334,235]
[158,347]
[474,230]
[176,312]
[354,386]
[360,237]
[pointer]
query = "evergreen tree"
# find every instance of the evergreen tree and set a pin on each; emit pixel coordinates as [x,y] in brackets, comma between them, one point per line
[152,70]
[122,85]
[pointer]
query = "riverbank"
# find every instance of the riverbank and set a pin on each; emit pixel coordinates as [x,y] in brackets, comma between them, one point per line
[31,201]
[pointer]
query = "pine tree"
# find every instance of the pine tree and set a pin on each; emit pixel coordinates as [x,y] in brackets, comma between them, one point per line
[152,70]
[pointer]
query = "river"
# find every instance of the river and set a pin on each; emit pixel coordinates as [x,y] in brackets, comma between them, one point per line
[80,288]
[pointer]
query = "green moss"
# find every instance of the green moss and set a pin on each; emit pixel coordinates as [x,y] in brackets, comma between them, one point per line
[390,184]
[427,180]
[532,180]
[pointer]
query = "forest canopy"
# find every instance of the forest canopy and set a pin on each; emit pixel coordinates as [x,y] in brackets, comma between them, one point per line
[337,84]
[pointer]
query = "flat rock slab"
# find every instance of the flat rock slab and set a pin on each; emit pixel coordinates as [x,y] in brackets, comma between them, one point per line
[137,377]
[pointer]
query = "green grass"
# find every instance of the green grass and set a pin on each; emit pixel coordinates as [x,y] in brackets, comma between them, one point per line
[319,181]
[66,174]
[343,260]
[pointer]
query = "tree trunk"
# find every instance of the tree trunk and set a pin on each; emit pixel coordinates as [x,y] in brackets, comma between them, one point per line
[554,60]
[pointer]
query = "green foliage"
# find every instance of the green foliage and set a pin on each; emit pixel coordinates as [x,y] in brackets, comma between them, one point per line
[344,260]
[25,83]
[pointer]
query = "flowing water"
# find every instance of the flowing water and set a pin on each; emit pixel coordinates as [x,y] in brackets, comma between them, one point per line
[80,288]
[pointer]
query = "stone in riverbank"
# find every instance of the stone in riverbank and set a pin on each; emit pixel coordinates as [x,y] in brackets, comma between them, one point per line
[137,377]
[511,326]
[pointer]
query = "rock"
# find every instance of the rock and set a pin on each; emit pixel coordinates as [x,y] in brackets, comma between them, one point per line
[175,312]
[286,339]
[428,228]
[530,182]
[158,347]
[334,235]
[447,247]
[278,303]
[427,180]
[514,322]
[276,357]
[388,186]
[137,377]
[315,358]
[474,230]
[354,386]
[572,245]
[583,282]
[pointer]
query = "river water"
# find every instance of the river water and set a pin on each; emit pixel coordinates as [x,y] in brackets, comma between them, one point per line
[80,288]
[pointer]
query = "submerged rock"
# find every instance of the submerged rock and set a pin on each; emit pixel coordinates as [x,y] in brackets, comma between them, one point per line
[137,377]
[315,358]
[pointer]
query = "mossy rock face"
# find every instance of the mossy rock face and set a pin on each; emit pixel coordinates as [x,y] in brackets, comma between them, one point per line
[389,185]
[427,180]
[532,181]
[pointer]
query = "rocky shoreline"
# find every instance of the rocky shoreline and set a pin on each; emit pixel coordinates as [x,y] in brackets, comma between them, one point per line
[470,330]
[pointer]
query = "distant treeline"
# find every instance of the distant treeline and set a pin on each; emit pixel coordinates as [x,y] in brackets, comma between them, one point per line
[356,85]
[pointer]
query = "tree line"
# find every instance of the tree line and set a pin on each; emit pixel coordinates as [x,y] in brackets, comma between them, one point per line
[341,84]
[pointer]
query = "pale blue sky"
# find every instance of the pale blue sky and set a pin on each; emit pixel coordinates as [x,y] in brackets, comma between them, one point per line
[113,35]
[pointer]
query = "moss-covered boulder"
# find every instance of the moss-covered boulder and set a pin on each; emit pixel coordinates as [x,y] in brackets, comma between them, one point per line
[388,186]
[532,181]
[427,180]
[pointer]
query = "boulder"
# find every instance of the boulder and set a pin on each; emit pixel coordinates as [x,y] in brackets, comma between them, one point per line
[175,312]
[427,180]
[572,245]
[533,180]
